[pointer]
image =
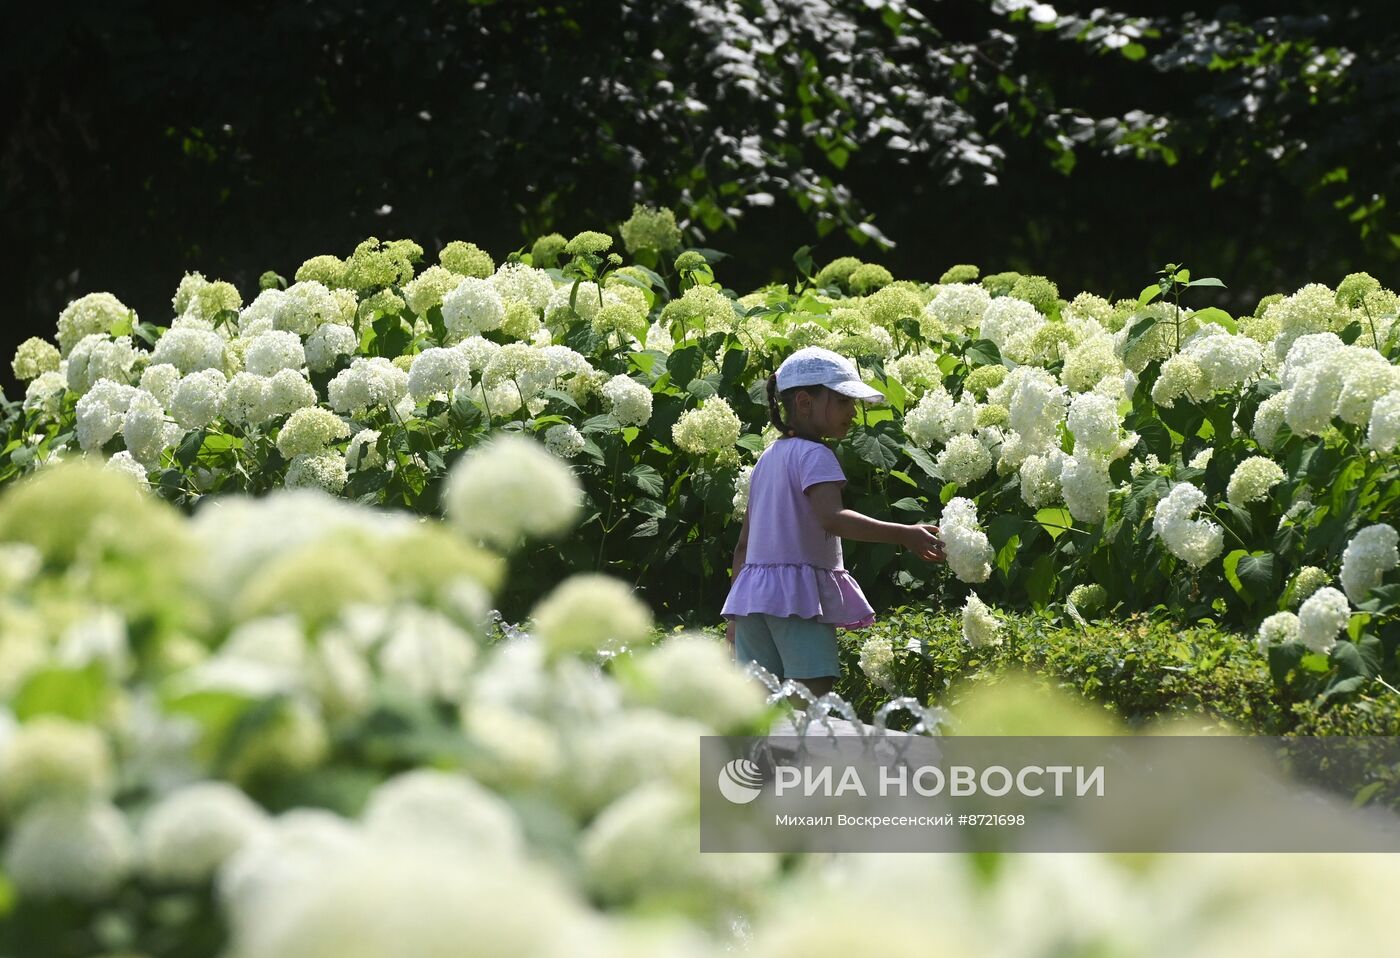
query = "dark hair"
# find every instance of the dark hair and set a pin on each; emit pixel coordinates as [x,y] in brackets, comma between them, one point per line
[780,402]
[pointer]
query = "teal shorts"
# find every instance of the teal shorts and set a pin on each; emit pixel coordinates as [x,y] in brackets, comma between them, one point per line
[787,646]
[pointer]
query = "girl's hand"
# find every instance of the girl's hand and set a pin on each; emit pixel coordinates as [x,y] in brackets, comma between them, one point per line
[923,541]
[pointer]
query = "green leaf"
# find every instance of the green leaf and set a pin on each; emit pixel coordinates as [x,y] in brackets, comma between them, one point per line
[650,507]
[1041,581]
[877,448]
[1207,281]
[77,694]
[908,504]
[1055,521]
[188,450]
[684,364]
[647,479]
[1140,325]
[982,352]
[1149,294]
[604,423]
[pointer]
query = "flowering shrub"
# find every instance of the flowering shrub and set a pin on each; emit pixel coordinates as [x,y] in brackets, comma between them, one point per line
[1172,456]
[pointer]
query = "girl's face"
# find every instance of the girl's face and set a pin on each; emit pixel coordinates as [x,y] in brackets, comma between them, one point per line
[829,414]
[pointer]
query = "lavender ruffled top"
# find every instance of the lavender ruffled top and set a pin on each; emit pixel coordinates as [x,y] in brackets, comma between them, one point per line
[793,566]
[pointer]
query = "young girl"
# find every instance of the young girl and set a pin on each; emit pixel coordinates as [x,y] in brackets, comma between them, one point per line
[790,589]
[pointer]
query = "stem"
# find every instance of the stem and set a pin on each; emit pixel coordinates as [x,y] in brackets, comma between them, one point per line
[1375,340]
[1224,525]
[612,500]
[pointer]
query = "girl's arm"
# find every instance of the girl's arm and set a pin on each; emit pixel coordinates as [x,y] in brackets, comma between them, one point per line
[741,552]
[849,524]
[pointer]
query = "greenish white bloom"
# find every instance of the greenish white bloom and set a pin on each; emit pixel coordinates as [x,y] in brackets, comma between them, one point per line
[1384,430]
[324,471]
[308,431]
[1369,555]
[472,307]
[968,552]
[93,313]
[1321,617]
[1277,629]
[101,413]
[510,487]
[327,344]
[518,283]
[709,429]
[198,398]
[979,625]
[34,357]
[1085,485]
[99,357]
[1195,541]
[963,460]
[192,831]
[695,676]
[428,288]
[362,452]
[369,383]
[69,849]
[1252,480]
[437,371]
[50,759]
[436,808]
[591,613]
[1308,580]
[190,350]
[564,440]
[146,431]
[877,662]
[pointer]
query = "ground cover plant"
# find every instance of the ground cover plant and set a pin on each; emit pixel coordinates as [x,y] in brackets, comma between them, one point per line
[1132,455]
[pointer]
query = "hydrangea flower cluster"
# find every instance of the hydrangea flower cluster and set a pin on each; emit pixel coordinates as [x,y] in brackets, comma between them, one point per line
[712,428]
[1195,541]
[1252,480]
[980,627]
[1369,555]
[969,554]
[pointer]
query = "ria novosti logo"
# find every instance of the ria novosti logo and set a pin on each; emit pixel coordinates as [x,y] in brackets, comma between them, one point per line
[740,781]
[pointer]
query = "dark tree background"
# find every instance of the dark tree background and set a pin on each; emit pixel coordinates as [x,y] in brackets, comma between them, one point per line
[1256,142]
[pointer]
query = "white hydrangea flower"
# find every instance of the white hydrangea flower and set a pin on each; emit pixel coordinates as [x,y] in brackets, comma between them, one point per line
[1201,459]
[273,351]
[261,314]
[426,653]
[69,849]
[1366,380]
[1369,555]
[1252,480]
[1321,617]
[473,307]
[436,371]
[46,393]
[437,807]
[1085,485]
[1195,541]
[287,391]
[98,357]
[198,399]
[659,339]
[591,613]
[979,624]
[362,452]
[523,284]
[520,365]
[695,676]
[1006,316]
[327,344]
[563,440]
[643,848]
[1096,426]
[743,482]
[146,430]
[586,303]
[963,460]
[50,759]
[1180,376]
[160,381]
[1037,404]
[1267,419]
[101,412]
[1225,360]
[192,831]
[1312,309]
[877,662]
[369,383]
[969,554]
[1040,480]
[927,422]
[511,486]
[323,471]
[1308,580]
[123,463]
[93,313]
[956,307]
[428,288]
[1381,435]
[306,306]
[1277,629]
[189,350]
[1089,363]
[711,428]
[308,431]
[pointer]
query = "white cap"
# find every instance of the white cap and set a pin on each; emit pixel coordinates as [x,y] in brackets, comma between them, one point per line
[814,366]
